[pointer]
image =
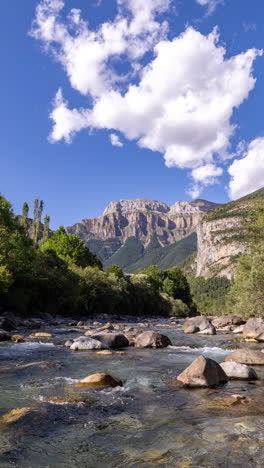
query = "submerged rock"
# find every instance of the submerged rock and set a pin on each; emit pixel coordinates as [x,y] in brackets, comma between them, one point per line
[151,339]
[235,370]
[247,356]
[14,415]
[112,340]
[17,339]
[101,379]
[202,372]
[254,329]
[84,343]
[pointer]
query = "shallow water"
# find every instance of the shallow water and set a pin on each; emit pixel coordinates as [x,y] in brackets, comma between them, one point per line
[146,423]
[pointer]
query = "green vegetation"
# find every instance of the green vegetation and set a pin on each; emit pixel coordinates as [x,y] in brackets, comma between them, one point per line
[209,295]
[132,256]
[246,296]
[57,273]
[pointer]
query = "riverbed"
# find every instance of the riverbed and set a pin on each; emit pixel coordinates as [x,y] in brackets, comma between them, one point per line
[149,422]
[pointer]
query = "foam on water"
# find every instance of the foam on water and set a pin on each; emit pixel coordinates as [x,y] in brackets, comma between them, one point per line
[69,380]
[29,345]
[204,350]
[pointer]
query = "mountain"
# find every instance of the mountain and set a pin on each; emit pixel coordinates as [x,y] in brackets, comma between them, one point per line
[132,233]
[221,237]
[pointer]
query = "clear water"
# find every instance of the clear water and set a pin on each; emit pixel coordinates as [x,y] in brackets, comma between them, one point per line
[146,423]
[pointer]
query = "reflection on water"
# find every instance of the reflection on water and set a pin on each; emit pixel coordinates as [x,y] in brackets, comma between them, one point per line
[146,423]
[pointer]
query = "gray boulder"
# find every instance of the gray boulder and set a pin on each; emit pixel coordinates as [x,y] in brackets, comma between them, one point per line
[196,323]
[202,372]
[247,356]
[208,331]
[112,340]
[84,343]
[151,339]
[234,370]
[227,320]
[254,328]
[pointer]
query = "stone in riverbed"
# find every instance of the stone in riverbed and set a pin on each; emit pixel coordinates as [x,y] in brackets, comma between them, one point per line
[208,331]
[238,330]
[6,324]
[112,340]
[84,343]
[101,380]
[227,320]
[202,372]
[41,335]
[234,370]
[68,343]
[17,339]
[198,323]
[254,328]
[14,415]
[151,339]
[247,356]
[4,336]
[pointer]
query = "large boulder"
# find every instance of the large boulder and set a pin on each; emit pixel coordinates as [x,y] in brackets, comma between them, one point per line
[100,380]
[247,356]
[234,370]
[254,328]
[112,340]
[208,331]
[196,324]
[84,343]
[151,339]
[202,372]
[227,321]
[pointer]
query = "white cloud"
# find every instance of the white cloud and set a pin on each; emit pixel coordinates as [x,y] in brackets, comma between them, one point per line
[115,141]
[247,174]
[183,101]
[210,4]
[204,176]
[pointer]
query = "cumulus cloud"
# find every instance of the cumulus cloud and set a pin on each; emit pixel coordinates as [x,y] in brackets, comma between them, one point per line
[210,4]
[115,141]
[180,103]
[247,174]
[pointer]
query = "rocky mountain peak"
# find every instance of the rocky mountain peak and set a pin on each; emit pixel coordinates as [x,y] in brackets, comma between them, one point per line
[136,204]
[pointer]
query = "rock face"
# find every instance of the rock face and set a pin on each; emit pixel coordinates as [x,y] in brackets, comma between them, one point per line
[234,370]
[254,328]
[203,372]
[150,339]
[247,356]
[140,218]
[227,320]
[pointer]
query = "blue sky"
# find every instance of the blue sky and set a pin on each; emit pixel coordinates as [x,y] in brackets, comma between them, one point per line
[66,158]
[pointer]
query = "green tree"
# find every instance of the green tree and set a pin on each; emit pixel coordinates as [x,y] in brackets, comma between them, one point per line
[24,220]
[176,285]
[115,270]
[46,228]
[71,249]
[156,276]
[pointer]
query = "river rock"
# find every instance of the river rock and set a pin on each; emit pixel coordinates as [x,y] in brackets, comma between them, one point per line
[4,336]
[101,379]
[84,343]
[227,320]
[247,356]
[202,372]
[41,335]
[238,330]
[254,328]
[68,343]
[234,370]
[14,415]
[112,340]
[7,324]
[198,323]
[17,339]
[151,339]
[208,331]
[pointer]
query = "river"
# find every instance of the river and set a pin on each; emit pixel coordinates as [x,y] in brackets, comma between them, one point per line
[146,423]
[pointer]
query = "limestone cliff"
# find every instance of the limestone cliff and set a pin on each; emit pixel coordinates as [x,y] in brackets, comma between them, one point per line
[221,236]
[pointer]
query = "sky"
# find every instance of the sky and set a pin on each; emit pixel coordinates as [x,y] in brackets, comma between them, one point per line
[103,100]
